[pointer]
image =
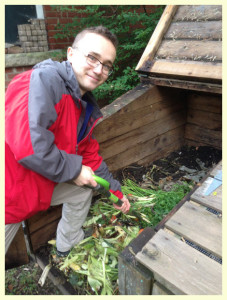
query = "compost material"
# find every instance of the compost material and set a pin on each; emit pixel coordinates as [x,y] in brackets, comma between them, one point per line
[188,164]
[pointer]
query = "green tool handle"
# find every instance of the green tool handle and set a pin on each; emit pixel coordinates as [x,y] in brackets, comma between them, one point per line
[104,186]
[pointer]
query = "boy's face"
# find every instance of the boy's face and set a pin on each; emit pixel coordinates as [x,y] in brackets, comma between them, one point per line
[101,48]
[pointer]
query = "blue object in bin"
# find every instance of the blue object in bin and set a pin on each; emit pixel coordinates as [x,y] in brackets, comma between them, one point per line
[216,182]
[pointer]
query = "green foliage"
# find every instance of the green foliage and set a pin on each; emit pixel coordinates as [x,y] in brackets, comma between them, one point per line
[133,29]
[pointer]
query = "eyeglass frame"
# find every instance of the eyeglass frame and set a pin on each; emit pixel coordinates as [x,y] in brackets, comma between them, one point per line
[98,62]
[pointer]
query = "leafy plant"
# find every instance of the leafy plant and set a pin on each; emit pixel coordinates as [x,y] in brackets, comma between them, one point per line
[133,27]
[93,263]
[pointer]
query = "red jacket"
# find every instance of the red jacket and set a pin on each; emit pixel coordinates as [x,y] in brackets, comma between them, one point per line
[44,113]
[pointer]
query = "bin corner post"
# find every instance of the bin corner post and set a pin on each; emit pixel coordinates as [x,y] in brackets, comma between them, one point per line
[134,278]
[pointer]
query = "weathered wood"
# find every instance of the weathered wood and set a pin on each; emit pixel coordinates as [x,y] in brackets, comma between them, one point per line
[159,289]
[141,91]
[204,119]
[144,149]
[134,278]
[145,132]
[199,226]
[179,267]
[206,136]
[186,70]
[201,50]
[216,169]
[198,13]
[157,35]
[154,104]
[163,152]
[190,30]
[43,225]
[213,201]
[17,252]
[209,103]
[183,84]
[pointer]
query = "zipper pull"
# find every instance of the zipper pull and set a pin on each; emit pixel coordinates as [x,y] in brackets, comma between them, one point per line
[76,148]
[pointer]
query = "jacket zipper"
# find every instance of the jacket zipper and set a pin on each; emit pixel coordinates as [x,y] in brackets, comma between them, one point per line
[77,145]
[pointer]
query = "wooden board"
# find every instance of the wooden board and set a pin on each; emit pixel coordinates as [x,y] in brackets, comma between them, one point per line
[140,151]
[213,201]
[216,169]
[179,267]
[157,35]
[17,252]
[199,226]
[145,132]
[190,30]
[152,105]
[189,51]
[184,84]
[209,103]
[185,70]
[206,51]
[203,135]
[204,119]
[198,13]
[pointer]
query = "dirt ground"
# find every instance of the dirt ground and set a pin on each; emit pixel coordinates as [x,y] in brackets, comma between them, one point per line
[188,163]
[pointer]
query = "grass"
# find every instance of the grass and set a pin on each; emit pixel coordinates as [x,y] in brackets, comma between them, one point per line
[24,281]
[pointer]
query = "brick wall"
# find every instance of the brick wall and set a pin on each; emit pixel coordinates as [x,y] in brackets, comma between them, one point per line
[52,18]
[10,73]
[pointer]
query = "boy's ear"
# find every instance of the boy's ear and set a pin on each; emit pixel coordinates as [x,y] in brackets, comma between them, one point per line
[70,54]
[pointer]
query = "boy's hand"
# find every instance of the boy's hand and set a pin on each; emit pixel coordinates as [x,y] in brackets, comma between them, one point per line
[125,206]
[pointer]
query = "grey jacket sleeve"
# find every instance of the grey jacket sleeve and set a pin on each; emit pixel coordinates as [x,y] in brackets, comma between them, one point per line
[47,159]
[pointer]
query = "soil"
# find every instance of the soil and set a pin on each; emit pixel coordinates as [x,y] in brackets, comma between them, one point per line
[188,163]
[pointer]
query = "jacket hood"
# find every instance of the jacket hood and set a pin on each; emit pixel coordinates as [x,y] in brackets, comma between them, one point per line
[65,71]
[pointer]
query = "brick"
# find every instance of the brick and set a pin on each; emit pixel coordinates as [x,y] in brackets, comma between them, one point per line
[43,26]
[34,32]
[23,38]
[39,32]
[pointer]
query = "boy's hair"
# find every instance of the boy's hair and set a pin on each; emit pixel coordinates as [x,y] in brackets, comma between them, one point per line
[101,30]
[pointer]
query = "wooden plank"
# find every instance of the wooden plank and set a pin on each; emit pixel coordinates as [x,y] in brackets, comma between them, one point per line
[193,50]
[190,30]
[146,132]
[204,119]
[140,91]
[166,149]
[17,252]
[213,201]
[157,104]
[183,84]
[43,225]
[138,152]
[206,136]
[198,13]
[134,278]
[187,70]
[157,35]
[209,103]
[216,169]
[158,289]
[199,226]
[179,267]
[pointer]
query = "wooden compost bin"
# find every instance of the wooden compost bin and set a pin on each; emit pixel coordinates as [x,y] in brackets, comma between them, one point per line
[178,102]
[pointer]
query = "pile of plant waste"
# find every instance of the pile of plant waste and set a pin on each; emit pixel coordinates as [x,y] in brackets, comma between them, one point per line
[92,265]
